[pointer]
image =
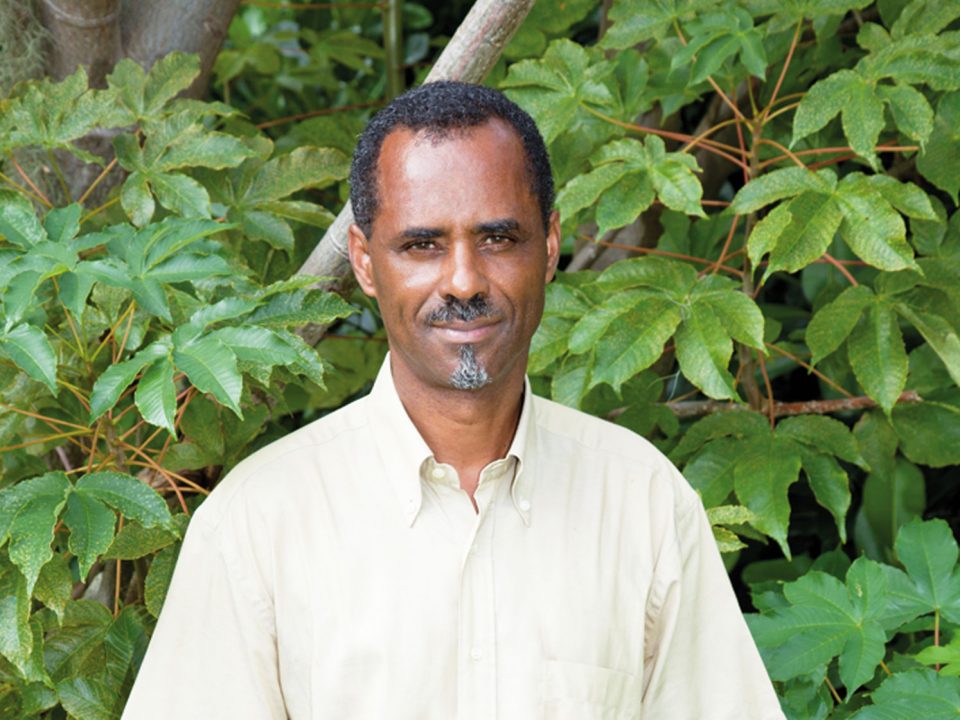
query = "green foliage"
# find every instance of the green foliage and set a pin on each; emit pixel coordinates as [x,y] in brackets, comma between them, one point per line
[786,175]
[785,323]
[115,320]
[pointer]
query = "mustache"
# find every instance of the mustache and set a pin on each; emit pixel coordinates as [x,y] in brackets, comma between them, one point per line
[455,309]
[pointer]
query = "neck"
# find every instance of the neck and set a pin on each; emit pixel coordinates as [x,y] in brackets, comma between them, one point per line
[467,429]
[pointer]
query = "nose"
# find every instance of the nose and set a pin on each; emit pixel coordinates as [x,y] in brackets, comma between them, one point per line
[464,275]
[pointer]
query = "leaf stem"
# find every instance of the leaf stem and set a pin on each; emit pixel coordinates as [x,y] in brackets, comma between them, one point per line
[712,145]
[769,388]
[843,271]
[97,180]
[59,173]
[96,211]
[726,245]
[22,190]
[41,440]
[783,73]
[713,83]
[833,690]
[786,151]
[664,253]
[26,178]
[810,368]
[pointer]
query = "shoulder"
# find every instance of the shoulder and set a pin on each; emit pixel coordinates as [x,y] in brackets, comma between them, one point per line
[617,453]
[295,459]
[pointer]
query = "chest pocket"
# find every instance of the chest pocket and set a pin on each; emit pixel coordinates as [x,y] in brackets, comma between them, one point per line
[575,691]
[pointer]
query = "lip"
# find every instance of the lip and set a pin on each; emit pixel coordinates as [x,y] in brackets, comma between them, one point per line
[462,333]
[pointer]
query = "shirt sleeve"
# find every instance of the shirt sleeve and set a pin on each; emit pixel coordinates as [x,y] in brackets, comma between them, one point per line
[213,654]
[701,662]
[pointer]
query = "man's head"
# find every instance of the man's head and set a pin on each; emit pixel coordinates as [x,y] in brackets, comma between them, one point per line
[455,237]
[441,110]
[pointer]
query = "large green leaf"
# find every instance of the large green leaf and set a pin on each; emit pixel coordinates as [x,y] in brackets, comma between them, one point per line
[135,541]
[830,485]
[871,227]
[914,694]
[54,586]
[877,355]
[929,553]
[595,323]
[256,345]
[18,220]
[91,526]
[181,194]
[929,433]
[552,88]
[939,333]
[780,184]
[827,618]
[16,639]
[28,514]
[892,499]
[212,367]
[940,160]
[834,322]
[704,350]
[302,307]
[548,343]
[156,395]
[158,579]
[635,21]
[29,348]
[127,495]
[823,434]
[636,343]
[711,471]
[815,218]
[735,423]
[768,467]
[144,95]
[117,378]
[303,168]
[738,313]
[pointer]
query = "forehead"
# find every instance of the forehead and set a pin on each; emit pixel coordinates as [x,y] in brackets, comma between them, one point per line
[473,171]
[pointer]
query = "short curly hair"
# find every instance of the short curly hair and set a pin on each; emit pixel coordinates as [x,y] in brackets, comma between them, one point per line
[441,108]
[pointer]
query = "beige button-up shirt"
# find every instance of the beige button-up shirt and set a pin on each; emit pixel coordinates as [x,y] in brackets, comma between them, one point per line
[342,573]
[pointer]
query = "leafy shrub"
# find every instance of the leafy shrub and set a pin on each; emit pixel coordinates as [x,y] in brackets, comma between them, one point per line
[782,180]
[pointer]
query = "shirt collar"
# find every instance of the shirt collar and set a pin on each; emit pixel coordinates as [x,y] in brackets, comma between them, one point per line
[405,452]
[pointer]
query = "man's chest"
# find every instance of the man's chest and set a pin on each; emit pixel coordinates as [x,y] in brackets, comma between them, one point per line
[465,616]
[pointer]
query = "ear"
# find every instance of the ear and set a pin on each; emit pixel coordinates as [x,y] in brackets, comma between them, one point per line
[359,250]
[553,244]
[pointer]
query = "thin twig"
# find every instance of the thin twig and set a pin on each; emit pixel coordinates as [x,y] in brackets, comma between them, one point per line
[840,389]
[839,266]
[97,180]
[783,72]
[697,408]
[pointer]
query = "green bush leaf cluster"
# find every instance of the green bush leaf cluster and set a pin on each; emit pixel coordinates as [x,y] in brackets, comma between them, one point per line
[761,263]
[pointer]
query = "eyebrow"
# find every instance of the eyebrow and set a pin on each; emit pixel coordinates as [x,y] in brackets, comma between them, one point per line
[420,233]
[492,227]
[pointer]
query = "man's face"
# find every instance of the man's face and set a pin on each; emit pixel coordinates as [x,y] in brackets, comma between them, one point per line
[457,257]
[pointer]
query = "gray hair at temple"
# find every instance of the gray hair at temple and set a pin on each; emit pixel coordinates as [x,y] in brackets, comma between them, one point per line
[442,109]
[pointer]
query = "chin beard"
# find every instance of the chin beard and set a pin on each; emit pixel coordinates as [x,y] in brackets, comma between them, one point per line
[470,374]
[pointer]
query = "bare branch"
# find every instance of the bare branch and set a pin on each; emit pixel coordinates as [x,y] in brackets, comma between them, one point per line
[698,408]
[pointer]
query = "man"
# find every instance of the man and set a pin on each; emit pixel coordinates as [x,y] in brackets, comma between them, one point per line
[452,546]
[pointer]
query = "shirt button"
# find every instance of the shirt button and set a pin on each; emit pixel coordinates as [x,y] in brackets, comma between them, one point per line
[476,654]
[438,473]
[524,505]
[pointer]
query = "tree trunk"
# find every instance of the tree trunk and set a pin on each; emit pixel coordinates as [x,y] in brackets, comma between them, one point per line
[153,29]
[469,56]
[98,33]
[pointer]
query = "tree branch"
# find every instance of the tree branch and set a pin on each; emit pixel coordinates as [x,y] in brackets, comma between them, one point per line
[469,56]
[698,408]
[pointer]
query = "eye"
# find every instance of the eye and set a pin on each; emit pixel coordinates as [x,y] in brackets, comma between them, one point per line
[421,245]
[496,240]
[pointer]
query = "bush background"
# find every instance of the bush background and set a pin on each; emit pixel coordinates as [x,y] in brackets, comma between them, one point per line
[761,275]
